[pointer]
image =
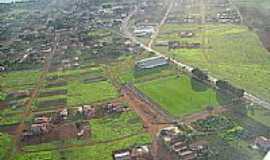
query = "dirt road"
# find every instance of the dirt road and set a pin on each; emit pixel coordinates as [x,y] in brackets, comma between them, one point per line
[152,118]
[162,22]
[28,106]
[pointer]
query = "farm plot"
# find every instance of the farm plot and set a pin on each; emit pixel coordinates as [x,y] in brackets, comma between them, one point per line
[15,89]
[115,126]
[5,144]
[99,151]
[69,88]
[230,52]
[110,133]
[233,150]
[229,138]
[81,93]
[19,80]
[180,96]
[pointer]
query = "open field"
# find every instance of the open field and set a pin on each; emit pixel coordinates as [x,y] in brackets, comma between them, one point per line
[231,52]
[260,115]
[115,126]
[180,96]
[79,93]
[18,80]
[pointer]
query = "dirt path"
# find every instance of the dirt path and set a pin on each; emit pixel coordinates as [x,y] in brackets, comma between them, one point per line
[28,106]
[203,115]
[152,119]
[162,22]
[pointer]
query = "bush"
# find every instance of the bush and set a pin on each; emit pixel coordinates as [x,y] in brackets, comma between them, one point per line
[233,134]
[2,96]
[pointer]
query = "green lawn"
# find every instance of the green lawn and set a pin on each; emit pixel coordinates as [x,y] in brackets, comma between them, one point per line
[180,96]
[80,93]
[115,126]
[233,52]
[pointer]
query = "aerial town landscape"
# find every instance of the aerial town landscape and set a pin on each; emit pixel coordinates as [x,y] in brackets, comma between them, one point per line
[135,79]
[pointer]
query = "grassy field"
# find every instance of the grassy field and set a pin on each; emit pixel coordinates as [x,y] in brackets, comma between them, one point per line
[20,80]
[80,93]
[254,3]
[180,96]
[230,52]
[115,126]
[260,115]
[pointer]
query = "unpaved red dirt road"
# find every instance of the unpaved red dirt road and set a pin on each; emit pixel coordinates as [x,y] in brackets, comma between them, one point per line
[153,121]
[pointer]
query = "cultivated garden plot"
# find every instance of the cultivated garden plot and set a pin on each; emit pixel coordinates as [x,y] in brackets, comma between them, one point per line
[16,88]
[226,134]
[111,132]
[98,151]
[71,88]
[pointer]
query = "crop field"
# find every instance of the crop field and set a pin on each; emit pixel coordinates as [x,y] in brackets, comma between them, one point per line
[18,80]
[229,137]
[14,82]
[230,52]
[79,93]
[5,144]
[77,87]
[180,96]
[116,126]
[99,151]
[108,134]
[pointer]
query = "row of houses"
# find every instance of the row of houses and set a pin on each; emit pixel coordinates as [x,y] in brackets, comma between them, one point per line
[177,145]
[137,153]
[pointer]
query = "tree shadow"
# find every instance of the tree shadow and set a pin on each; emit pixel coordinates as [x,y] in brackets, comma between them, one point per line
[224,98]
[198,86]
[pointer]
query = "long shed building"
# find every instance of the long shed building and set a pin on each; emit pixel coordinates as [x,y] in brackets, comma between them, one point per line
[152,62]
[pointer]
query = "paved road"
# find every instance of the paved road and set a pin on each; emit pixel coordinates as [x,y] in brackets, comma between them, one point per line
[187,68]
